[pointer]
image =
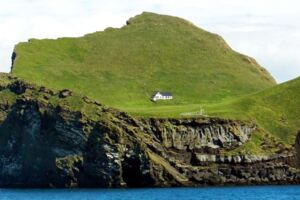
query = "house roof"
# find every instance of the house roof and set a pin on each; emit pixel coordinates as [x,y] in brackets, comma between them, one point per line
[163,93]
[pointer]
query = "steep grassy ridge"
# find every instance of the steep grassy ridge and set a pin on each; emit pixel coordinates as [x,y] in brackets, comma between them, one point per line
[276,109]
[122,67]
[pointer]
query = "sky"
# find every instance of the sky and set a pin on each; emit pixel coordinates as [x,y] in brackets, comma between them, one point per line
[268,30]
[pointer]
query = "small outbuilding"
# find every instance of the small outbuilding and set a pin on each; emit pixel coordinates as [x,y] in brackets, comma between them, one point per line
[161,96]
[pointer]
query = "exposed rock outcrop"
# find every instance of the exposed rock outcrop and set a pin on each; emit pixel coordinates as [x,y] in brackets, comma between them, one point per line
[13,58]
[199,134]
[59,139]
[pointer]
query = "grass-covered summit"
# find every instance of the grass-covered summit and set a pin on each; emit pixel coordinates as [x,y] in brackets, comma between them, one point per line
[121,67]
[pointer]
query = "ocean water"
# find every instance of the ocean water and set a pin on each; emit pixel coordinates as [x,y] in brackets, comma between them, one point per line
[208,193]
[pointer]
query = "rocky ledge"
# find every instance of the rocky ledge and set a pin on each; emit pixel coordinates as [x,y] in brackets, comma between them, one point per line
[59,139]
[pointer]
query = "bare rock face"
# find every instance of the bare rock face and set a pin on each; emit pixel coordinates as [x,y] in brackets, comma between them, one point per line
[65,93]
[48,141]
[200,134]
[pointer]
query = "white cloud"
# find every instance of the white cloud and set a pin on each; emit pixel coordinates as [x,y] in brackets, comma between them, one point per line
[268,30]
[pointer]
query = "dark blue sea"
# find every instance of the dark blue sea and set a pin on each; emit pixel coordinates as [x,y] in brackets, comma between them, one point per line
[209,193]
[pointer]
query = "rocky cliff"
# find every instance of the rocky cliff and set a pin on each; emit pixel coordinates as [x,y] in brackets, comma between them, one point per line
[60,139]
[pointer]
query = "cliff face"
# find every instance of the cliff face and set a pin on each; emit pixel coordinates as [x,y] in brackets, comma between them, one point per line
[59,139]
[201,134]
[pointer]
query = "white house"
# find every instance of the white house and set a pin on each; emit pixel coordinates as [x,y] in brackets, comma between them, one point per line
[162,96]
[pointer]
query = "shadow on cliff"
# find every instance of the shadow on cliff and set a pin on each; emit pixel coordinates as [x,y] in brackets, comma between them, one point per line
[40,148]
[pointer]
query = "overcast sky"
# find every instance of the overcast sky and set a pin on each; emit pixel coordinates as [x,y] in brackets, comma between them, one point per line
[268,30]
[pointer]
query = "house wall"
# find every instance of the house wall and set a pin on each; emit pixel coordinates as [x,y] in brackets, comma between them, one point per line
[159,96]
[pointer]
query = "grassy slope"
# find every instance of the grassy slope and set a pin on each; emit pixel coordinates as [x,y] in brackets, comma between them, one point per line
[276,110]
[122,67]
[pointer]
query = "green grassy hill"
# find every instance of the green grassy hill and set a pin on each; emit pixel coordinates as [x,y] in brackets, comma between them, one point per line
[122,67]
[276,110]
